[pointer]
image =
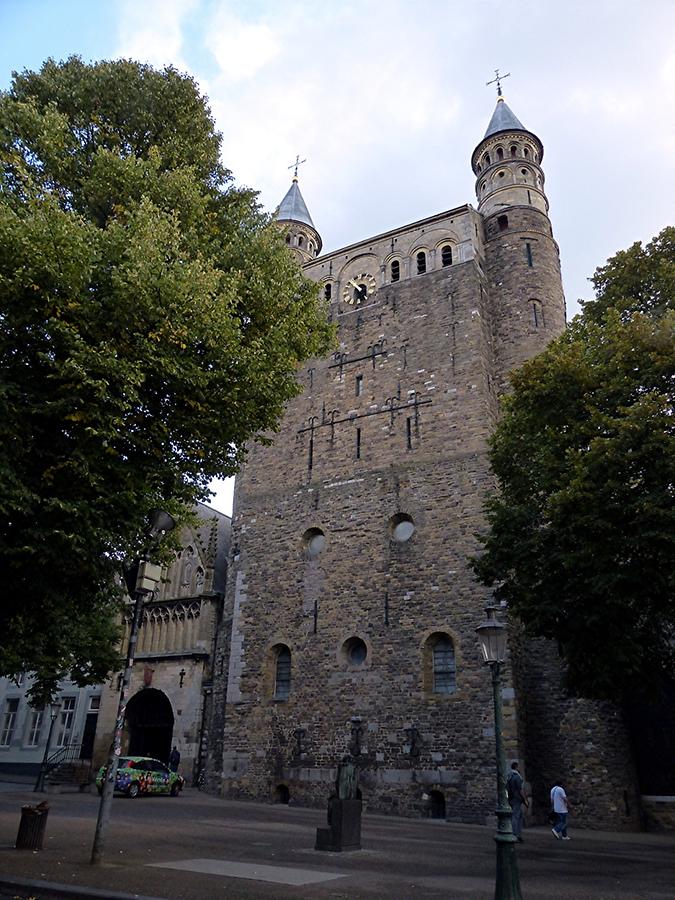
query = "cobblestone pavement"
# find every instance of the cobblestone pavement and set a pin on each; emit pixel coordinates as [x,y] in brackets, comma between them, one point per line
[197,846]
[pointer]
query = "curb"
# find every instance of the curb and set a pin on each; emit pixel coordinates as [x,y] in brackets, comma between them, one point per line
[36,890]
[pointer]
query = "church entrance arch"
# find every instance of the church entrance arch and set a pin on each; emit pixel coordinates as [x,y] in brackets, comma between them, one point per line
[149,722]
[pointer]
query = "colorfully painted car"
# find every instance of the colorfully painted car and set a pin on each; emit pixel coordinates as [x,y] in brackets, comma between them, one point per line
[142,775]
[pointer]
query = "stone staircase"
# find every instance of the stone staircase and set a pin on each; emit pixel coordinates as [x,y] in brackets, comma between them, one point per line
[66,772]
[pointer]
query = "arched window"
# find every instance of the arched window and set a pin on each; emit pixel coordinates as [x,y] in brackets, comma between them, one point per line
[486,159]
[526,151]
[446,255]
[500,153]
[282,673]
[421,262]
[395,270]
[328,290]
[314,540]
[310,246]
[288,238]
[514,150]
[537,314]
[503,222]
[301,241]
[443,660]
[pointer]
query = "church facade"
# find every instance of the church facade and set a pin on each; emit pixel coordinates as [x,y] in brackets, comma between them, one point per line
[350,609]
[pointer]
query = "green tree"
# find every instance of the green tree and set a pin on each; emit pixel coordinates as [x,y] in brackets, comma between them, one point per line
[151,322]
[582,532]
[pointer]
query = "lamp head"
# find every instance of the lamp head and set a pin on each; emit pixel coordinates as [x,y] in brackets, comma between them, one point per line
[492,636]
[161,523]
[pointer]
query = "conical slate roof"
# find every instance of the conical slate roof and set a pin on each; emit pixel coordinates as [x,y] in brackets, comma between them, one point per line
[292,208]
[503,120]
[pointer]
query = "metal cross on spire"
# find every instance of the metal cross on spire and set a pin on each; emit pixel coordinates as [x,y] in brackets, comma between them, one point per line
[298,162]
[496,80]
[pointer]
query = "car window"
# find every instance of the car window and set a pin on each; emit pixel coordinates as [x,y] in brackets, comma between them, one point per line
[141,764]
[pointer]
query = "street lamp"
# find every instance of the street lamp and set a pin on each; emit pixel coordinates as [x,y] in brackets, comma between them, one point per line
[144,583]
[492,636]
[54,710]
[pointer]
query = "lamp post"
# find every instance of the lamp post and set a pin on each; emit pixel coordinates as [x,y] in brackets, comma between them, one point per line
[147,579]
[54,710]
[492,637]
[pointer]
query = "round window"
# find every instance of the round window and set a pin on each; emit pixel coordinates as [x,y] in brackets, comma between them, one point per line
[355,651]
[314,541]
[401,527]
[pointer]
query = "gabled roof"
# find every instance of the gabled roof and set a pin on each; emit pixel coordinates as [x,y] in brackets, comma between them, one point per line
[503,120]
[293,209]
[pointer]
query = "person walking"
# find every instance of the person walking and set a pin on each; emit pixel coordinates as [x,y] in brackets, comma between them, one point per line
[517,800]
[561,808]
[174,759]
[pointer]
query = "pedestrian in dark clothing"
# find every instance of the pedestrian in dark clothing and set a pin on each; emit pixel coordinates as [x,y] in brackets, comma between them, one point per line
[517,800]
[174,759]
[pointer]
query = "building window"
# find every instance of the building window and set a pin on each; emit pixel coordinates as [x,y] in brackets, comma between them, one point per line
[358,443]
[354,652]
[282,673]
[301,241]
[514,150]
[288,238]
[359,385]
[526,151]
[503,222]
[408,433]
[446,255]
[34,727]
[537,314]
[328,291]
[66,721]
[421,262]
[9,721]
[528,253]
[395,270]
[486,159]
[443,658]
[500,153]
[310,246]
[94,704]
[314,541]
[401,528]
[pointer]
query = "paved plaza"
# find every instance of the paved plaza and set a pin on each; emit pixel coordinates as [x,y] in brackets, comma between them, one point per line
[197,847]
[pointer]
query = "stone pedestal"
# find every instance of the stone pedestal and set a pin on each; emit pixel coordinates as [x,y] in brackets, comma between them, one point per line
[344,826]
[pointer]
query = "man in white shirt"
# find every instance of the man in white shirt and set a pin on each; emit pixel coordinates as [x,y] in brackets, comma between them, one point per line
[561,807]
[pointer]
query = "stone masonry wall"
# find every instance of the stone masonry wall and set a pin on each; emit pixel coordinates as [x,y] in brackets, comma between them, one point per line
[426,407]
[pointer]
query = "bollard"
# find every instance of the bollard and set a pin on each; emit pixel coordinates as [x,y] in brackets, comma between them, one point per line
[32,826]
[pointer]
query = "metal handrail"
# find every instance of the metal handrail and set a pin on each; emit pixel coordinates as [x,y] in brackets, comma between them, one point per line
[69,753]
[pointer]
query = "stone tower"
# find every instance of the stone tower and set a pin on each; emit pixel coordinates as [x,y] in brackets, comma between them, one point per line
[301,235]
[350,613]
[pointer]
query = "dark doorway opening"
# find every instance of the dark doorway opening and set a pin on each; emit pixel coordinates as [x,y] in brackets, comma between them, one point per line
[281,794]
[652,726]
[88,735]
[436,805]
[149,720]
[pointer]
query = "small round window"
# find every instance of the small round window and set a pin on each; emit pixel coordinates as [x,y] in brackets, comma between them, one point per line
[355,651]
[314,541]
[401,527]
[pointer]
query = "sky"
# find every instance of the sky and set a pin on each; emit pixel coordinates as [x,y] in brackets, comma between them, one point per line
[387,99]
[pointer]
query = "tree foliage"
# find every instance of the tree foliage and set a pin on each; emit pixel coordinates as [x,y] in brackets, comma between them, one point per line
[151,322]
[582,533]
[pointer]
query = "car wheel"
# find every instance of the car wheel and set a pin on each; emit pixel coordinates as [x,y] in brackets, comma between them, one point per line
[133,790]
[175,790]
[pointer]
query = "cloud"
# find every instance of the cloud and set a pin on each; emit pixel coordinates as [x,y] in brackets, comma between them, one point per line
[241,49]
[151,31]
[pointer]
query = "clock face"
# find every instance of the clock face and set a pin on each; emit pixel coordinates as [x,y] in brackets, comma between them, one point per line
[358,289]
